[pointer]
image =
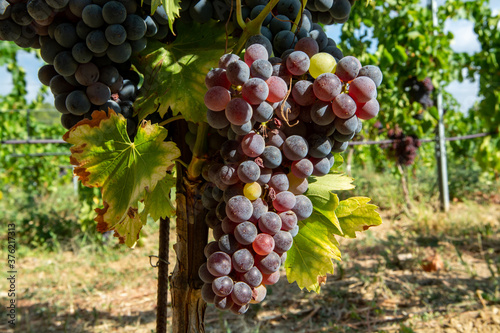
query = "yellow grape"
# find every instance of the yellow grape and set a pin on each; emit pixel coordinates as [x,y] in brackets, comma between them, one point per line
[252,191]
[322,63]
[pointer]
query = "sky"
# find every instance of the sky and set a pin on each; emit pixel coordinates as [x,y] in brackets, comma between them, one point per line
[465,41]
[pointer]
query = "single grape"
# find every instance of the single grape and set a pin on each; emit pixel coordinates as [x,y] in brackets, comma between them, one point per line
[245,233]
[252,191]
[219,264]
[295,148]
[277,89]
[303,93]
[255,52]
[298,63]
[283,241]
[255,91]
[362,89]
[302,168]
[321,63]
[284,201]
[263,244]
[270,223]
[368,110]
[217,98]
[268,264]
[242,293]
[222,286]
[238,111]
[239,208]
[242,260]
[303,207]
[327,86]
[271,157]
[253,277]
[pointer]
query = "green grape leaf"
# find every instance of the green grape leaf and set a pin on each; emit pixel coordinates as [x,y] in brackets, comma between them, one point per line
[174,74]
[330,182]
[105,157]
[312,252]
[356,214]
[172,8]
[158,202]
[338,161]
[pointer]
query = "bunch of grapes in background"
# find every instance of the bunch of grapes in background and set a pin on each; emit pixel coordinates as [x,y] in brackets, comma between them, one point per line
[283,118]
[87,45]
[404,148]
[420,91]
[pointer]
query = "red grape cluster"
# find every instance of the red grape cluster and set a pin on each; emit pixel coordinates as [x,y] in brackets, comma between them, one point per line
[404,147]
[87,45]
[282,126]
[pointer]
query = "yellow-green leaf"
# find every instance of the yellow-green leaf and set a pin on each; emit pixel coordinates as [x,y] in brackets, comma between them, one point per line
[158,203]
[356,214]
[312,252]
[105,157]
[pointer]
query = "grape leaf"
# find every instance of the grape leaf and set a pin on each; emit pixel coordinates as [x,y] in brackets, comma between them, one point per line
[356,214]
[312,252]
[105,157]
[158,202]
[330,182]
[174,74]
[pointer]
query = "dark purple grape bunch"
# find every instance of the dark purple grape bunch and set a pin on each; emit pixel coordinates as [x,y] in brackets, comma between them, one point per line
[330,11]
[404,148]
[281,127]
[420,91]
[87,45]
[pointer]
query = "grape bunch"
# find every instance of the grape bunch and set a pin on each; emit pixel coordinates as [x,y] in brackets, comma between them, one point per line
[330,11]
[276,31]
[404,147]
[420,91]
[87,45]
[282,119]
[322,11]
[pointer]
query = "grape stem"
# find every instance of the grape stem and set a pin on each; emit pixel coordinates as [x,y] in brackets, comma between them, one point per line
[253,27]
[181,162]
[199,150]
[239,16]
[170,120]
[299,16]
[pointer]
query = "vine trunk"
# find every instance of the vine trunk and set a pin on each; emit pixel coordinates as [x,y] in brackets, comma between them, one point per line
[188,308]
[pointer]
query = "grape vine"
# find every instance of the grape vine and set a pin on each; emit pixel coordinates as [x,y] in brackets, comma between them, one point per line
[264,135]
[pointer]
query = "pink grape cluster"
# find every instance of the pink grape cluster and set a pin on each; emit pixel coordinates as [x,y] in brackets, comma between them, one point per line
[282,127]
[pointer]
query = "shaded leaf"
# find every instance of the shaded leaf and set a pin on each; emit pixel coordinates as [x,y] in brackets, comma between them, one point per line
[174,74]
[158,202]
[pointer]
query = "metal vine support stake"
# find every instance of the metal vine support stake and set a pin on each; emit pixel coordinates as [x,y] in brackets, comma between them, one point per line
[442,168]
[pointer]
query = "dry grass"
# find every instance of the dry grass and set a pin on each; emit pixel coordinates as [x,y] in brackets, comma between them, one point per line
[379,287]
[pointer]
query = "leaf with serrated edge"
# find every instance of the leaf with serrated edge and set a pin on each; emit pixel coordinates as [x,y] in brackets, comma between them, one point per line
[312,252]
[172,8]
[356,214]
[105,157]
[174,74]
[158,202]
